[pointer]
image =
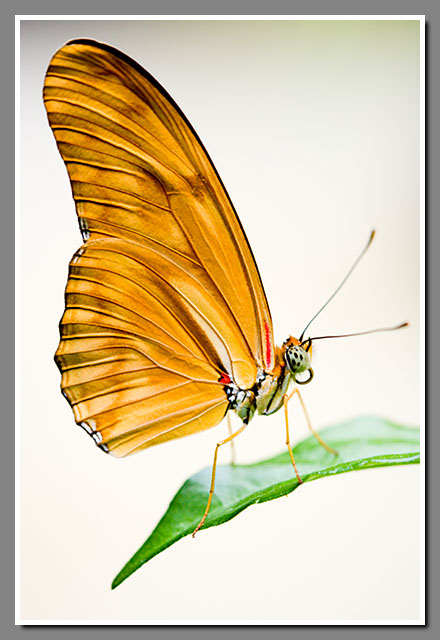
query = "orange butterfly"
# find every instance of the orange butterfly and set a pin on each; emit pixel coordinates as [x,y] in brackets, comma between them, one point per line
[166,325]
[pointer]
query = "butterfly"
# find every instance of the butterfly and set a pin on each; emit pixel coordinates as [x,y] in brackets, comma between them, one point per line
[166,325]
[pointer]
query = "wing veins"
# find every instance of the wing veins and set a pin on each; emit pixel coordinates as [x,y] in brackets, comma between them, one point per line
[138,351]
[189,302]
[159,300]
[177,426]
[108,140]
[138,123]
[125,404]
[101,312]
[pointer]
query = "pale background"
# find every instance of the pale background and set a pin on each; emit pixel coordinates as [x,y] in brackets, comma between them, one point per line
[314,129]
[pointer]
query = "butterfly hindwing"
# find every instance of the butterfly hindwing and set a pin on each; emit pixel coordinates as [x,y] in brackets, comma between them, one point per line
[132,371]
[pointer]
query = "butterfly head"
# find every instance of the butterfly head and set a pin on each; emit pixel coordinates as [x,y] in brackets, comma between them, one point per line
[298,357]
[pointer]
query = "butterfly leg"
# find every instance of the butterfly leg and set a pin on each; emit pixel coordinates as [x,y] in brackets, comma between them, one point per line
[211,490]
[309,424]
[228,418]
[286,416]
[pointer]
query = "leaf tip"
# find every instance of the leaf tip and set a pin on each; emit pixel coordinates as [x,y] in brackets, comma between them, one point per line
[117,581]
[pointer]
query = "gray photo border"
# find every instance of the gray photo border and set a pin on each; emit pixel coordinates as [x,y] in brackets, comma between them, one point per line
[431,9]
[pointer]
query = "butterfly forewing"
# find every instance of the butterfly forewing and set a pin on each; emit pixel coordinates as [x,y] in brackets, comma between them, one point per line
[164,298]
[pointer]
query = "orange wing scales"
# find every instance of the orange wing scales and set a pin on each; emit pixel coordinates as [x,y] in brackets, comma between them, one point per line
[164,302]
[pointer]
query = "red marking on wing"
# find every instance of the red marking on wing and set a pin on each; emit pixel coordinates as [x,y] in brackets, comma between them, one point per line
[224,379]
[268,346]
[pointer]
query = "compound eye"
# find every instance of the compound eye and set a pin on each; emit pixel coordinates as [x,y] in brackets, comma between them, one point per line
[297,359]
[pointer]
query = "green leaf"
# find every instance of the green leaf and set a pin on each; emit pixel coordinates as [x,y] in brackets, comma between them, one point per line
[361,443]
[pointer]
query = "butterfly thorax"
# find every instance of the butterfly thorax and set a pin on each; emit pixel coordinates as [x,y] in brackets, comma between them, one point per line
[267,394]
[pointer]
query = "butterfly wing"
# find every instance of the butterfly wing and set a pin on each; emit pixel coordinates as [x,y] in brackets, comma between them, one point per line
[136,352]
[164,302]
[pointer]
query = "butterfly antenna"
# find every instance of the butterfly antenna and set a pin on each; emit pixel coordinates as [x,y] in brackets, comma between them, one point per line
[362,333]
[358,259]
